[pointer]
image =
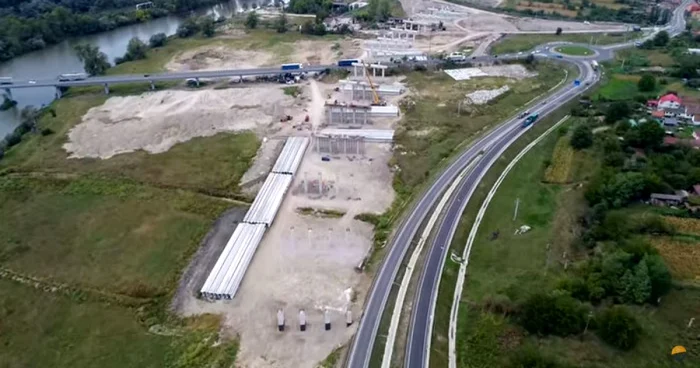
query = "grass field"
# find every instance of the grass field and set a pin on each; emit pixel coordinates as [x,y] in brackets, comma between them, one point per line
[109,235]
[212,164]
[44,330]
[620,87]
[432,129]
[516,43]
[574,50]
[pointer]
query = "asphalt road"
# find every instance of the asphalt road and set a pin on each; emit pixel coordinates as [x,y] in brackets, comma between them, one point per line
[147,78]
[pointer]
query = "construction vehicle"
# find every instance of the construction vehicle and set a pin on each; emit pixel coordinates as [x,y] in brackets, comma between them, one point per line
[376,101]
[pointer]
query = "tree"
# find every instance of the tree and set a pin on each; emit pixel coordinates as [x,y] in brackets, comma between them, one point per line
[252,20]
[659,276]
[157,40]
[582,137]
[618,327]
[28,116]
[281,23]
[135,50]
[636,283]
[558,32]
[546,314]
[617,111]
[651,134]
[661,39]
[94,61]
[206,24]
[188,28]
[647,83]
[530,59]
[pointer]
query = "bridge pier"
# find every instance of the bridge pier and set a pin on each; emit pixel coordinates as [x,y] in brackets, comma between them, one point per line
[59,94]
[197,81]
[153,86]
[106,88]
[8,93]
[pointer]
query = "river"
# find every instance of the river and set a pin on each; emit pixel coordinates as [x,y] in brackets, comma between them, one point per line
[60,58]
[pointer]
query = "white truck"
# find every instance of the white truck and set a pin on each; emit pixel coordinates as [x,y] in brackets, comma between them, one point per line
[594,65]
[5,80]
[68,77]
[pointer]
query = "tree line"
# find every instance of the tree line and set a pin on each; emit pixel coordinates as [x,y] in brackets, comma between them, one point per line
[28,26]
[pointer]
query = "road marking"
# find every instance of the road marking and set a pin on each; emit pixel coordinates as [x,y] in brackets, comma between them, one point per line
[403,289]
[470,240]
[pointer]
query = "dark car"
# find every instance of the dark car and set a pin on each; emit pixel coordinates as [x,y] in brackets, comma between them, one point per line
[146,75]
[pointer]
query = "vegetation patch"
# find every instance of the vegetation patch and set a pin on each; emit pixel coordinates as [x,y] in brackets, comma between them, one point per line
[682,256]
[320,212]
[684,225]
[559,171]
[574,50]
[516,43]
[293,91]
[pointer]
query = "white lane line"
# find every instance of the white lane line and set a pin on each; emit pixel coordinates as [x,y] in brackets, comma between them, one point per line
[470,240]
[401,296]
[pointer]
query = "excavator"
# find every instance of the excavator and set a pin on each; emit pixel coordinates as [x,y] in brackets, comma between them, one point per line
[376,100]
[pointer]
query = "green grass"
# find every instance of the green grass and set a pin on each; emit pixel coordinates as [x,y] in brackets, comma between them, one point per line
[620,87]
[432,129]
[516,43]
[40,329]
[114,236]
[211,164]
[574,50]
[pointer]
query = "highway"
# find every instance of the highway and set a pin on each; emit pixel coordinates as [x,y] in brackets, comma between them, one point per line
[156,77]
[492,144]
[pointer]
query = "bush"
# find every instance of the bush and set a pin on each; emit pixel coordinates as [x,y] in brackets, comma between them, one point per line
[618,327]
[530,357]
[582,137]
[545,314]
[252,20]
[46,131]
[647,83]
[188,28]
[157,40]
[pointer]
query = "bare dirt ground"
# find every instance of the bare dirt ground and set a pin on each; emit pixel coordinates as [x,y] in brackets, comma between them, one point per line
[216,57]
[307,262]
[156,121]
[264,159]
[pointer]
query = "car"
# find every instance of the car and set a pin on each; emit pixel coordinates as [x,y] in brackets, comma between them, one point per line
[495,56]
[32,82]
[544,102]
[473,57]
[146,75]
[520,53]
[560,56]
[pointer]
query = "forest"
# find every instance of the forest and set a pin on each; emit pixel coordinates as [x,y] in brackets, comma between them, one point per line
[32,25]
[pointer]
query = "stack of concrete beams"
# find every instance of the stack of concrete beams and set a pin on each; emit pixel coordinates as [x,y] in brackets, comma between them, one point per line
[226,276]
[384,111]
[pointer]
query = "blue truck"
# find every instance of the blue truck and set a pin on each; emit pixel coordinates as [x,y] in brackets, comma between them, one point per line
[294,66]
[348,62]
[530,119]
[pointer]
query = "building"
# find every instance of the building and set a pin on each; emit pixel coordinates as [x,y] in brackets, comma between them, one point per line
[670,101]
[358,5]
[659,199]
[671,122]
[696,119]
[658,114]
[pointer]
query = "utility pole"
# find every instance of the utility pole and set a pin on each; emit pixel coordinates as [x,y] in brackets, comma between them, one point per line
[515,213]
[588,321]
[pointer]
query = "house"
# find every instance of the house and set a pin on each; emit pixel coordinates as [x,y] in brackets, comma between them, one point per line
[670,101]
[690,110]
[674,112]
[652,104]
[694,51]
[673,122]
[696,119]
[659,199]
[658,114]
[696,189]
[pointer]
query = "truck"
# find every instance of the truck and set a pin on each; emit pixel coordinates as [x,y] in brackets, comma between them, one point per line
[72,77]
[456,56]
[594,65]
[294,66]
[637,28]
[530,119]
[348,62]
[5,80]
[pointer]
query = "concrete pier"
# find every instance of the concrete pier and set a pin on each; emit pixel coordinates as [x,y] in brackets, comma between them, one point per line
[333,144]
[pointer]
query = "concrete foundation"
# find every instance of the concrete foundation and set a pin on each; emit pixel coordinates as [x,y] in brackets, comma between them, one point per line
[339,144]
[347,114]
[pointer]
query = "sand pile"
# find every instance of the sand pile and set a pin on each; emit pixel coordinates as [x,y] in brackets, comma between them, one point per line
[157,121]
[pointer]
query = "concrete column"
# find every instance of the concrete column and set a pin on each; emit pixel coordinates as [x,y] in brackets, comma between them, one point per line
[374,72]
[8,93]
[353,115]
[383,72]
[153,86]
[330,115]
[58,92]
[106,88]
[197,80]
[365,116]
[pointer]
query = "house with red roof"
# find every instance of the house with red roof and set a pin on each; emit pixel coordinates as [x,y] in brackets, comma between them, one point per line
[669,101]
[658,114]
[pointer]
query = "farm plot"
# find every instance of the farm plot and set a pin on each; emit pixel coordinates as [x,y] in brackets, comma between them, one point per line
[559,171]
[682,255]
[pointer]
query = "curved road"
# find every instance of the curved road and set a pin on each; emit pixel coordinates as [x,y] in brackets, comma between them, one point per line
[492,145]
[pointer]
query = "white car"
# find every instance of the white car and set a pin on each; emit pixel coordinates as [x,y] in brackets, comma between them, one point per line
[32,82]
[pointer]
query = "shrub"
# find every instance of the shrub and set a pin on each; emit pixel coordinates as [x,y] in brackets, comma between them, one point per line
[618,327]
[530,357]
[157,40]
[546,314]
[46,131]
[582,137]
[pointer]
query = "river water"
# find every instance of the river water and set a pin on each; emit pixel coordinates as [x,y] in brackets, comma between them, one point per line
[60,58]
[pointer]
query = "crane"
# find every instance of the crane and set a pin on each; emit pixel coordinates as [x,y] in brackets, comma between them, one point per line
[376,100]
